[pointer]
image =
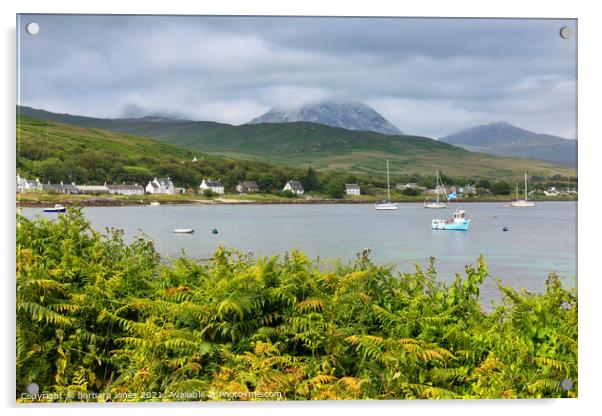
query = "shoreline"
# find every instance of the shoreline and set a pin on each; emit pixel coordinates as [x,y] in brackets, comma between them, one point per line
[118,202]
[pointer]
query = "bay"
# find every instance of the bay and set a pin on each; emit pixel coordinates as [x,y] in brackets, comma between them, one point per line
[539,240]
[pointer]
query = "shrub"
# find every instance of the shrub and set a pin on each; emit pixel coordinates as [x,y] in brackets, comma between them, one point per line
[410,191]
[96,315]
[335,189]
[501,188]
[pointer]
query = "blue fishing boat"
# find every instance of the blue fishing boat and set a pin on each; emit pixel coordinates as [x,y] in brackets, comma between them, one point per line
[57,208]
[459,222]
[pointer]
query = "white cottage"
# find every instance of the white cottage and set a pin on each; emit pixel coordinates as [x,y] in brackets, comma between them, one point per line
[160,186]
[124,189]
[215,186]
[352,189]
[247,187]
[92,189]
[295,187]
[27,185]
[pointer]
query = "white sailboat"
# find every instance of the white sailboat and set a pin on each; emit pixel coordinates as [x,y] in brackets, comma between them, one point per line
[523,203]
[386,205]
[437,203]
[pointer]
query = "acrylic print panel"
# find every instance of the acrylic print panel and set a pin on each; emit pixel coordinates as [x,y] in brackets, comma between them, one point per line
[295,208]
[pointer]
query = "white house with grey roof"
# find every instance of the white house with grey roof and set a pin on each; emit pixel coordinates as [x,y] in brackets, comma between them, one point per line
[215,186]
[124,189]
[294,187]
[60,188]
[28,185]
[160,186]
[247,187]
[92,189]
[352,189]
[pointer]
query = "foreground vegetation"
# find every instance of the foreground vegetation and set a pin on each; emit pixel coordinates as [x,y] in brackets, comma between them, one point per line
[95,315]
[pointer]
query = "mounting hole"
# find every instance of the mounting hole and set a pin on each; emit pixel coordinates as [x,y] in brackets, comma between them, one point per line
[565,32]
[566,384]
[32,388]
[32,28]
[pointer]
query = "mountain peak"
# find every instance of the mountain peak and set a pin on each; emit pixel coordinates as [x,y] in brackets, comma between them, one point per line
[503,139]
[350,115]
[498,132]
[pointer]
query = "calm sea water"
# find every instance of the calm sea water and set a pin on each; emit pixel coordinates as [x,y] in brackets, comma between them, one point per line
[540,240]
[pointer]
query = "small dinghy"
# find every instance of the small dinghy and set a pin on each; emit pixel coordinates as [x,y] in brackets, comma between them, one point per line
[57,208]
[154,204]
[183,230]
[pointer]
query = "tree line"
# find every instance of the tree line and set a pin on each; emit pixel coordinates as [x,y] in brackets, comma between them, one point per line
[55,153]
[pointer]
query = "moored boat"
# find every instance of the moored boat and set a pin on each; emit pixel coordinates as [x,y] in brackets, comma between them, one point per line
[154,204]
[459,222]
[183,231]
[386,205]
[437,203]
[57,208]
[523,203]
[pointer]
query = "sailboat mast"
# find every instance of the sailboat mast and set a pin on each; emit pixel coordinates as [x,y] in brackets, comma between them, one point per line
[388,187]
[525,186]
[437,186]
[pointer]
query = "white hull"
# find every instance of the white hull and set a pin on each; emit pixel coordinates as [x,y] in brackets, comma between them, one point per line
[386,206]
[183,231]
[57,208]
[523,204]
[154,204]
[435,205]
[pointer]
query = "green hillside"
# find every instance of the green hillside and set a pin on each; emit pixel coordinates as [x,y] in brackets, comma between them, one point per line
[59,152]
[325,148]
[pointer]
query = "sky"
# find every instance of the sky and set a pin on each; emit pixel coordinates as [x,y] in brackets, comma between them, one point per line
[429,77]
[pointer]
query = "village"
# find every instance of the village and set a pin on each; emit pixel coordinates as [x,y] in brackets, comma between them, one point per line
[292,188]
[157,185]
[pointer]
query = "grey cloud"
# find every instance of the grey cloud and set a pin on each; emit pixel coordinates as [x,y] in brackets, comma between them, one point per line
[428,76]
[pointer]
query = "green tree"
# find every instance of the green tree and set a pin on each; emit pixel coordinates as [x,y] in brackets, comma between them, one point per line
[484,183]
[335,189]
[310,181]
[411,192]
[267,182]
[501,188]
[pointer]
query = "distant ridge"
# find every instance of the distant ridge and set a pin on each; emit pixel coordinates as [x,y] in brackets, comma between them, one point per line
[300,144]
[503,139]
[347,115]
